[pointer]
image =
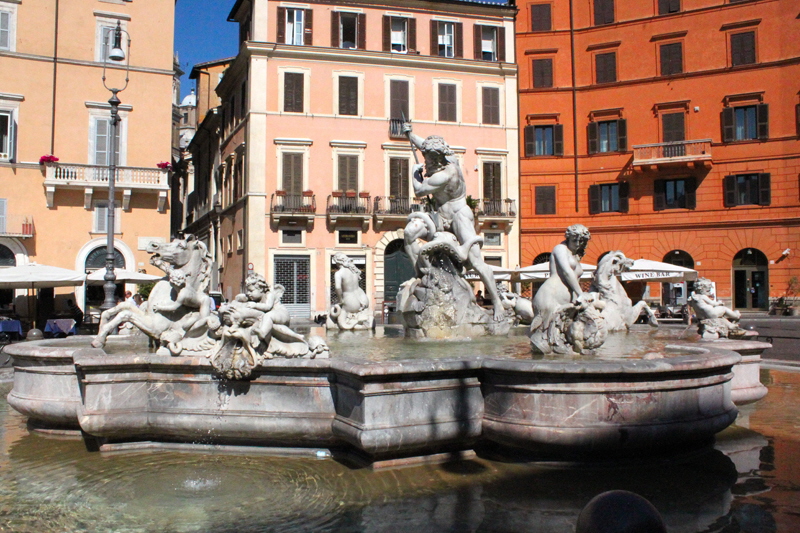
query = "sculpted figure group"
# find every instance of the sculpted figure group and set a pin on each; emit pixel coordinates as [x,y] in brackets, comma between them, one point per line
[178,316]
[715,320]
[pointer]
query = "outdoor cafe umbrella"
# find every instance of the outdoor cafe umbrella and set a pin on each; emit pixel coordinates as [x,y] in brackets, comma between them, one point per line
[647,270]
[123,276]
[541,272]
[35,276]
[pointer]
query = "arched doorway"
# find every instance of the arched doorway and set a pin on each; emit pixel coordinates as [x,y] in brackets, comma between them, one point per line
[7,259]
[750,279]
[95,295]
[674,295]
[397,268]
[542,258]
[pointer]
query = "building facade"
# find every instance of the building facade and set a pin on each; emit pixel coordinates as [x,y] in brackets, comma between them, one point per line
[670,129]
[53,103]
[312,159]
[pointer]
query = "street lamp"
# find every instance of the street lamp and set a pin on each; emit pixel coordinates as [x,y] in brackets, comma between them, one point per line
[115,54]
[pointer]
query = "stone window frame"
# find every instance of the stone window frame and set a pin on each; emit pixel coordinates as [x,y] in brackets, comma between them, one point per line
[10,7]
[107,20]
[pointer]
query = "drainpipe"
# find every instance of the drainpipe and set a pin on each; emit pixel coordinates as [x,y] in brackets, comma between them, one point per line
[574,104]
[55,76]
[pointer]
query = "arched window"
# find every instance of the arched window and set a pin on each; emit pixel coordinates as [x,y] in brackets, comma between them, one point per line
[542,258]
[97,259]
[7,257]
[750,257]
[679,258]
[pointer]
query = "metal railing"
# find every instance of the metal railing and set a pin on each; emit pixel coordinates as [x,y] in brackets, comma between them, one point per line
[16,225]
[390,205]
[358,204]
[293,203]
[498,208]
[97,174]
[679,150]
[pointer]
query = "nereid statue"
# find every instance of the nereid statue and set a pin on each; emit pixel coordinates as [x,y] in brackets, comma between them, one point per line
[352,311]
[716,320]
[178,316]
[439,302]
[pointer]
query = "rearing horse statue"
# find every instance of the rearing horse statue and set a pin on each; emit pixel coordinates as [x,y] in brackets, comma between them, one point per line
[177,307]
[619,312]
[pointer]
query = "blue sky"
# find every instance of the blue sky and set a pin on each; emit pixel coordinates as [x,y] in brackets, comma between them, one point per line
[202,34]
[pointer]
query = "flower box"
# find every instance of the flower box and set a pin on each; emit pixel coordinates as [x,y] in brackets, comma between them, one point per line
[363,195]
[308,194]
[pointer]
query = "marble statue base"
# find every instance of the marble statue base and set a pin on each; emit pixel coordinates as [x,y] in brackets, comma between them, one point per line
[717,328]
[341,319]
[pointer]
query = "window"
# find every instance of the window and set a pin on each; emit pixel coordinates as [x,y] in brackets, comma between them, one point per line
[673,131]
[348,236]
[489,43]
[102,141]
[240,239]
[398,99]
[492,185]
[545,200]
[293,92]
[745,123]
[747,189]
[608,198]
[6,135]
[292,173]
[351,32]
[448,107]
[399,34]
[493,239]
[606,67]
[101,218]
[544,140]
[294,26]
[671,59]
[542,73]
[490,99]
[608,136]
[666,7]
[291,236]
[674,194]
[105,27]
[7,27]
[743,48]
[540,17]
[446,39]
[348,173]
[603,12]
[398,177]
[348,95]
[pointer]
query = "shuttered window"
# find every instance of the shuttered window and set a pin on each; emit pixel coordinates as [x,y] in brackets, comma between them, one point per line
[671,59]
[540,17]
[101,219]
[5,30]
[489,43]
[295,26]
[348,173]
[293,92]
[745,123]
[673,129]
[747,189]
[743,48]
[447,39]
[542,73]
[398,177]
[544,140]
[399,34]
[348,95]
[545,200]
[6,135]
[607,136]
[668,6]
[448,108]
[491,105]
[608,198]
[348,30]
[675,194]
[292,179]
[606,67]
[492,185]
[102,141]
[603,12]
[398,99]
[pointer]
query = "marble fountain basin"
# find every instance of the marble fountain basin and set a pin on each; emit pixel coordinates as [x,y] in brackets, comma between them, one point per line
[387,409]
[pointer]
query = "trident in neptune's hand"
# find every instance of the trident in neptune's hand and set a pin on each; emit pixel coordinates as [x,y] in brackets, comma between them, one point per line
[408,135]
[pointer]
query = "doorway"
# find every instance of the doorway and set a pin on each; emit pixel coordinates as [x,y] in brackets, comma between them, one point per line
[294,273]
[397,268]
[750,279]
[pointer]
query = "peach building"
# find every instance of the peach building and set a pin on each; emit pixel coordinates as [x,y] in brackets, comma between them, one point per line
[52,102]
[310,160]
[669,128]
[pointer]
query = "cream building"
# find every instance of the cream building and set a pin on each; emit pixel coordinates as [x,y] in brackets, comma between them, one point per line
[309,157]
[53,102]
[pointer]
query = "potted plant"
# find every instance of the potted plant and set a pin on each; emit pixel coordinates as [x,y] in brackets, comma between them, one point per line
[49,158]
[27,227]
[164,165]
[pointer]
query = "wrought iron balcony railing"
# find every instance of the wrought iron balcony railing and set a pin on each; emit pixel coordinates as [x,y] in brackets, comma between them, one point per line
[390,205]
[348,204]
[293,204]
[672,152]
[498,208]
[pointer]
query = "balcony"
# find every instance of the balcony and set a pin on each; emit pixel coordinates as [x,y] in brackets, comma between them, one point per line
[497,213]
[19,226]
[288,208]
[693,154]
[91,177]
[349,208]
[394,211]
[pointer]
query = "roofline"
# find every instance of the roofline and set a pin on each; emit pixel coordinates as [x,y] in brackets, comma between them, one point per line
[200,66]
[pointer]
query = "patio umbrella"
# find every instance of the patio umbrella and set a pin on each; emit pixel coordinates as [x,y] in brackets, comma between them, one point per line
[499,273]
[541,272]
[123,276]
[647,270]
[35,276]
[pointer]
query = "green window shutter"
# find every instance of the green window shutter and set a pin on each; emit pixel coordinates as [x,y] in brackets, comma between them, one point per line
[594,199]
[558,139]
[729,191]
[624,191]
[764,193]
[762,118]
[591,133]
[728,122]
[659,195]
[529,144]
[691,193]
[622,135]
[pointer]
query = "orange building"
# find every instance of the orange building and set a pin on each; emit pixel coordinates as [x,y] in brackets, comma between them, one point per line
[670,129]
[53,103]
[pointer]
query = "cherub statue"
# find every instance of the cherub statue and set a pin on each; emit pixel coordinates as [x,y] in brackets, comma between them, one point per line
[352,311]
[716,320]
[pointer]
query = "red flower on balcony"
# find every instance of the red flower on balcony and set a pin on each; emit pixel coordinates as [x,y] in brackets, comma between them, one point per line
[47,159]
[164,165]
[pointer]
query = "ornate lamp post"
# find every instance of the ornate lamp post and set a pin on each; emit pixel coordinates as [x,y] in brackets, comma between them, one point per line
[116,54]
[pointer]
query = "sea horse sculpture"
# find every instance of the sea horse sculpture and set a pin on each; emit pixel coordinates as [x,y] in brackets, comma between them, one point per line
[619,312]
